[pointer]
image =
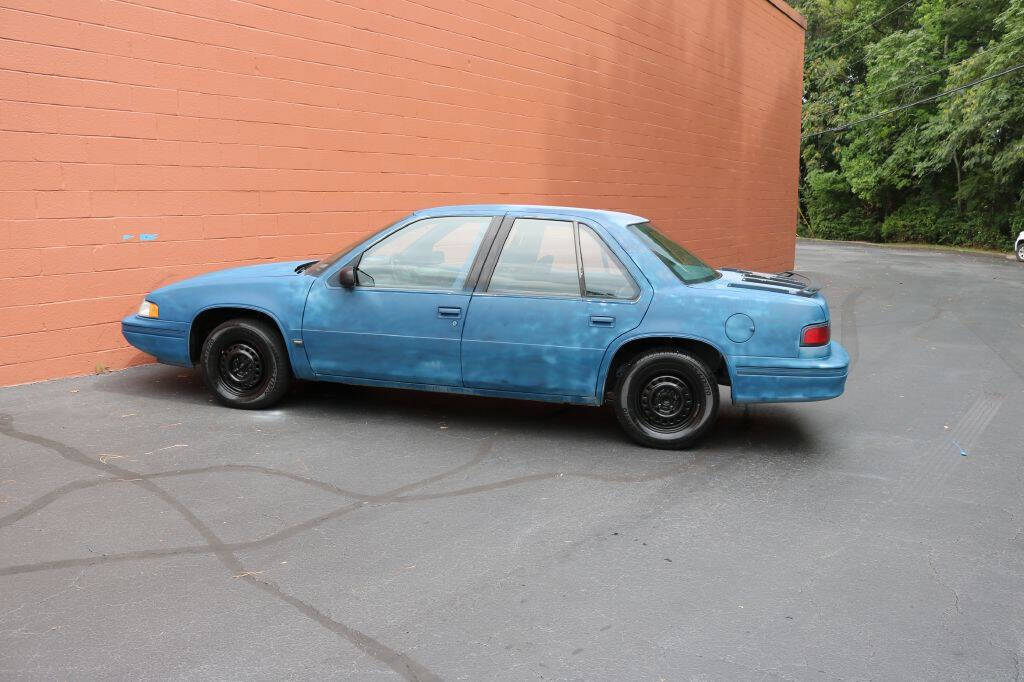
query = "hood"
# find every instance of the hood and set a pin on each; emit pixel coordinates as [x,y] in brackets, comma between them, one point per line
[243,273]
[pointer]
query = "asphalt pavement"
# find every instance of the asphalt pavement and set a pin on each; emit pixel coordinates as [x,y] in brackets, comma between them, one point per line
[359,533]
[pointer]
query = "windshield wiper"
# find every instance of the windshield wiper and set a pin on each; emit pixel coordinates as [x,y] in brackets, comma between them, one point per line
[302,267]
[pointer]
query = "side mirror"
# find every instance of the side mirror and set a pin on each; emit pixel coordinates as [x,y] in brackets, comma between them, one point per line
[347,277]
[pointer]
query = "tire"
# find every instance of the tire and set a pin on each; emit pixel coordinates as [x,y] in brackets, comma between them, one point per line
[245,364]
[1020,251]
[667,399]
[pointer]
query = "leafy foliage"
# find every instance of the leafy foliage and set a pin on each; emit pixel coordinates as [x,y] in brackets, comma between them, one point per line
[950,171]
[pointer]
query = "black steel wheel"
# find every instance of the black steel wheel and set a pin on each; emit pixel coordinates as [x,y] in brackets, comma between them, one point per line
[241,369]
[665,403]
[667,399]
[245,364]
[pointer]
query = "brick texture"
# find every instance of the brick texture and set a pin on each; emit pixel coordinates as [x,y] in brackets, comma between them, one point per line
[240,131]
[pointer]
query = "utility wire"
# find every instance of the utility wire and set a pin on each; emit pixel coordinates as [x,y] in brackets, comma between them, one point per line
[861,30]
[952,91]
[865,54]
[920,77]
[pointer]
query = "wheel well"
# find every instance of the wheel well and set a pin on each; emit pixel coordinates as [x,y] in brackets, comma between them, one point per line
[208,320]
[629,351]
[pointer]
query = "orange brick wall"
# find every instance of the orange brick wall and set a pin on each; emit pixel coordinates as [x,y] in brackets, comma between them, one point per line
[236,131]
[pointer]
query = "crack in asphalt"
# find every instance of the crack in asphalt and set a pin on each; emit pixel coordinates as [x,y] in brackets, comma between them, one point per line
[226,552]
[397,661]
[387,497]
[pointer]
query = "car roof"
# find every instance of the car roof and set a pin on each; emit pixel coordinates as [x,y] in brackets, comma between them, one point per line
[606,217]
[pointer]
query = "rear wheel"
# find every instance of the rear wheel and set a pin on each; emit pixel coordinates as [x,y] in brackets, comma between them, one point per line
[245,364]
[667,399]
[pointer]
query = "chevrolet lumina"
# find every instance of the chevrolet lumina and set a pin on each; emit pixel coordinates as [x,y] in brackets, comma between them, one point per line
[555,304]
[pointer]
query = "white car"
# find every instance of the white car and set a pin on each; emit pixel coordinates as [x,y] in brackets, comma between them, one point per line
[1019,246]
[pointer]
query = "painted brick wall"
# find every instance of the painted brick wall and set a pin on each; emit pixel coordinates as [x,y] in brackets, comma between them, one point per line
[142,141]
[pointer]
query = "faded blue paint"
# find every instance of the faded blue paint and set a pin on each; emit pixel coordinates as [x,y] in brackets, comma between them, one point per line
[557,349]
[147,237]
[739,327]
[554,344]
[167,341]
[544,345]
[765,380]
[273,289]
[384,334]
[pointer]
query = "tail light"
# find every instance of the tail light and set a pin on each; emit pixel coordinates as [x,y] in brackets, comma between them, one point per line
[816,335]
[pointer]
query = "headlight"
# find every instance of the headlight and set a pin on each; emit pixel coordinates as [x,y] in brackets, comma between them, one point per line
[148,309]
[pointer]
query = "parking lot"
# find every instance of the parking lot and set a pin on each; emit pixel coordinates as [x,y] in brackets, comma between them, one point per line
[377,534]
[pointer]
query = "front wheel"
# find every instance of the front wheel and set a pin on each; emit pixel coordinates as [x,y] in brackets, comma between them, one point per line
[245,364]
[1020,251]
[667,399]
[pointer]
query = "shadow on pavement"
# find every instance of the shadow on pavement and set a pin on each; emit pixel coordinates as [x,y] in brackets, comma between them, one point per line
[772,427]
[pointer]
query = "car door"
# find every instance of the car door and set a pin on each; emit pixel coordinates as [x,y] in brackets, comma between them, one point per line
[402,322]
[534,325]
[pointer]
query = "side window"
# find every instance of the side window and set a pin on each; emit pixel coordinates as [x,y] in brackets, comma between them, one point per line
[434,253]
[539,257]
[604,275]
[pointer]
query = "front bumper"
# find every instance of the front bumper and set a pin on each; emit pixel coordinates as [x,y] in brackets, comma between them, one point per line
[786,380]
[165,340]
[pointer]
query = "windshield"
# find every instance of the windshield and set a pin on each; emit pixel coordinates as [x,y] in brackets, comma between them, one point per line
[685,266]
[319,266]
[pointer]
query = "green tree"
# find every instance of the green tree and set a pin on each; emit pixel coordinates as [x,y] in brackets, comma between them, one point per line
[947,171]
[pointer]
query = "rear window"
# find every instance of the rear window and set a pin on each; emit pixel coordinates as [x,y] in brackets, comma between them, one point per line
[685,266]
[539,257]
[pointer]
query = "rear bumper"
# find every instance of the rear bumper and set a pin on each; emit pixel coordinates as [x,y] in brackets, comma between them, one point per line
[785,380]
[165,340]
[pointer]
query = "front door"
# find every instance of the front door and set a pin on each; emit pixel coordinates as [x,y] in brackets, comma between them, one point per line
[403,320]
[536,325]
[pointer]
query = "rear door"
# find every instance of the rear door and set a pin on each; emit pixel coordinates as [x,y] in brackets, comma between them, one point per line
[534,324]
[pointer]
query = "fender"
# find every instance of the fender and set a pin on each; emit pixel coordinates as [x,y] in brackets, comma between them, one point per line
[296,355]
[606,362]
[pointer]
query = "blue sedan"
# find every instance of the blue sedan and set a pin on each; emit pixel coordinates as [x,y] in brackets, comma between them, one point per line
[564,305]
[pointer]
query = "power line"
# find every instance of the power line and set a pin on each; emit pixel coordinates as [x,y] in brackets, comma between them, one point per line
[921,76]
[864,55]
[861,30]
[952,91]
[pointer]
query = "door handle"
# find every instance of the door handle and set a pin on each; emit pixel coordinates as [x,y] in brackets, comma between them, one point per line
[448,311]
[602,321]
